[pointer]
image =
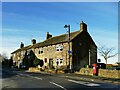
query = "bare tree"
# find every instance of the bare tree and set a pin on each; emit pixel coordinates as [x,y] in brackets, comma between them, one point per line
[106,53]
[4,56]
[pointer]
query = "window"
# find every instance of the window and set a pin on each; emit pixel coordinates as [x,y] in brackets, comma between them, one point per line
[45,60]
[59,47]
[40,50]
[59,61]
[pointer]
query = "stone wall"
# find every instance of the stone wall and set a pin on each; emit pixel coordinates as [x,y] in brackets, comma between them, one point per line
[33,69]
[18,57]
[50,53]
[54,71]
[109,73]
[85,71]
[101,72]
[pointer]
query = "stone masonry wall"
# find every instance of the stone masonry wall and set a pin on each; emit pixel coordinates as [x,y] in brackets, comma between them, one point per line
[49,52]
[109,73]
[101,72]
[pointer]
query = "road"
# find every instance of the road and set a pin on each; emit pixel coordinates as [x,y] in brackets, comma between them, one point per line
[12,79]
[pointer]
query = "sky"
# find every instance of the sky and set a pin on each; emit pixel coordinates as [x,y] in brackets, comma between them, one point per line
[23,21]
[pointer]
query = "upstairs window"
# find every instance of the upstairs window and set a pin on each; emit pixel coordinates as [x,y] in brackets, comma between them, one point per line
[40,51]
[59,47]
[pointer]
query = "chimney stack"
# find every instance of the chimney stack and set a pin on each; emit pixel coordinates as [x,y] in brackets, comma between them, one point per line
[21,45]
[83,26]
[48,35]
[33,41]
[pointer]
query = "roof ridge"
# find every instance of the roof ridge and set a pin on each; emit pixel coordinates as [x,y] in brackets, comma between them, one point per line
[64,34]
[53,40]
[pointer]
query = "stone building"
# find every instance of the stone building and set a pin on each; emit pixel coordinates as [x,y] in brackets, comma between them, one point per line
[54,50]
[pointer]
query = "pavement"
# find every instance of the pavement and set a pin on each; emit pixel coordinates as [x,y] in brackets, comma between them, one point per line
[93,78]
[88,78]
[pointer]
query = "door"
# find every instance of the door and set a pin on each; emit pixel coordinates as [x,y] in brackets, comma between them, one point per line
[51,63]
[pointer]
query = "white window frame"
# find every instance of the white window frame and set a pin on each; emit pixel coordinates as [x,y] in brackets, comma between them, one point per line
[40,50]
[59,60]
[59,47]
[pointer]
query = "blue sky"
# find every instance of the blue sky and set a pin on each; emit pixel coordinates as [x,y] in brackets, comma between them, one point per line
[22,22]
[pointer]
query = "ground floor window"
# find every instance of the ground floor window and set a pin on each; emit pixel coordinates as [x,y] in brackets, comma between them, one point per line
[45,60]
[59,61]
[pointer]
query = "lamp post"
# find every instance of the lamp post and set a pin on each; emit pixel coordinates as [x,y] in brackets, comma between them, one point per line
[89,58]
[68,26]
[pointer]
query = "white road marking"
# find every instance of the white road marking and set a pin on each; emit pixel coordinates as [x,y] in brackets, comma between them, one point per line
[58,85]
[84,83]
[34,77]
[31,76]
[92,84]
[37,78]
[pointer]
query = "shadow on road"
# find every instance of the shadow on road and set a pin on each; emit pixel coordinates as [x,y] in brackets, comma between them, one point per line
[7,72]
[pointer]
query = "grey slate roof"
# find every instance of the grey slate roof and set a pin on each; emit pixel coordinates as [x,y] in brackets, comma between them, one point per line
[51,41]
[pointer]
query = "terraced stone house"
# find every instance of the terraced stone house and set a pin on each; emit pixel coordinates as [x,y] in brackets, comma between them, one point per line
[54,50]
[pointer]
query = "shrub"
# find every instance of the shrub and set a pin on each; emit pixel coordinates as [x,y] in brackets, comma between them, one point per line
[36,61]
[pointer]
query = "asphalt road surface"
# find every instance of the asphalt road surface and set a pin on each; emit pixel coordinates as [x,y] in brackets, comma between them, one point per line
[20,80]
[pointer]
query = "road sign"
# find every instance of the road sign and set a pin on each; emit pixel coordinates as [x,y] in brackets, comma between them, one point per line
[69,52]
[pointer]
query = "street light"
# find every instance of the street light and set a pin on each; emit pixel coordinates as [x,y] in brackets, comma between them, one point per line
[68,26]
[89,58]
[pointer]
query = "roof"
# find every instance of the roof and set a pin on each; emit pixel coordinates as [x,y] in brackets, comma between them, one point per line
[57,39]
[24,48]
[51,41]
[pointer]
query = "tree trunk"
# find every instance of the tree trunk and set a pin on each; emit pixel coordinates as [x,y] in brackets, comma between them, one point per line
[106,62]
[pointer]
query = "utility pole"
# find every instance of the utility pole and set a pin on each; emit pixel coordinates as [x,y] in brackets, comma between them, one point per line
[69,65]
[89,58]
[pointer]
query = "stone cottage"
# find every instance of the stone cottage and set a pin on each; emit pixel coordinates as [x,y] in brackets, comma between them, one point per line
[55,53]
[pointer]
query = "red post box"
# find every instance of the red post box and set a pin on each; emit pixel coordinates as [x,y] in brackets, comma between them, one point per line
[95,69]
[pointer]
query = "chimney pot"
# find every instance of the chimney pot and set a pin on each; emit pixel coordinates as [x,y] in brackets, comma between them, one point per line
[83,26]
[33,41]
[21,45]
[48,35]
